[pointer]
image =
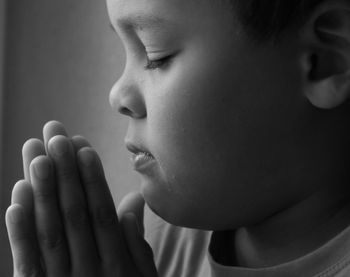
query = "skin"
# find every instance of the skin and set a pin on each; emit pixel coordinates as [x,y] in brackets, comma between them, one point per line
[62,221]
[235,138]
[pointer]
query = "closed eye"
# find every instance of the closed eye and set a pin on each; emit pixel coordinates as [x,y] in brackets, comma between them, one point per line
[156,64]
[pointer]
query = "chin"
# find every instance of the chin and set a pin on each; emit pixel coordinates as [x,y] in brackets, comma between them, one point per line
[178,210]
[169,208]
[179,213]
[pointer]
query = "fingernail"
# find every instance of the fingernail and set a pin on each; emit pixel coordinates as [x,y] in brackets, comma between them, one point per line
[42,169]
[59,146]
[87,157]
[16,216]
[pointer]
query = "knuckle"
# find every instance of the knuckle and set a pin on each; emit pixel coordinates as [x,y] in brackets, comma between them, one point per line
[105,217]
[67,173]
[43,195]
[50,239]
[92,182]
[76,216]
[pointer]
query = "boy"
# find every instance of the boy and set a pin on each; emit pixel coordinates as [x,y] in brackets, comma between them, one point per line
[239,118]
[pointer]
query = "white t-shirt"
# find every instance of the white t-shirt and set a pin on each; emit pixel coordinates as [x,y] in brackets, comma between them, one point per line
[183,252]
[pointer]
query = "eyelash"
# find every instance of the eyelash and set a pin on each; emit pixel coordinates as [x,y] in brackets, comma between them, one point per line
[157,64]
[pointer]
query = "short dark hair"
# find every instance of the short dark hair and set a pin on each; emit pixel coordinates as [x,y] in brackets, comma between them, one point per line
[265,19]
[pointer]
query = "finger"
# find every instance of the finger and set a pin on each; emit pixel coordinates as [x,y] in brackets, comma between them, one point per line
[22,194]
[140,250]
[55,128]
[104,217]
[26,261]
[51,129]
[72,202]
[31,149]
[79,142]
[49,226]
[133,203]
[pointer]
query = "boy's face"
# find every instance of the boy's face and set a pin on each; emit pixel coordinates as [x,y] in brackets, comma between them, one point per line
[216,115]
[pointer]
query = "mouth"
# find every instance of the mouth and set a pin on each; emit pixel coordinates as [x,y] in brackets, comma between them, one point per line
[141,158]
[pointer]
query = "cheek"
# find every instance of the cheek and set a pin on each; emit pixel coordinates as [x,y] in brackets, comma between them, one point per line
[219,135]
[189,123]
[187,116]
[191,137]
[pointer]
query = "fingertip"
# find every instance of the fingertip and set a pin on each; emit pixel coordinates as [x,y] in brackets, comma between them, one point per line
[40,159]
[141,251]
[40,167]
[59,145]
[54,126]
[52,129]
[14,214]
[132,223]
[80,142]
[20,193]
[32,145]
[14,206]
[57,138]
[86,156]
[87,149]
[31,148]
[20,183]
[133,203]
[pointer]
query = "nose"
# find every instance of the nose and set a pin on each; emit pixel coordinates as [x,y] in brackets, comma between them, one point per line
[126,98]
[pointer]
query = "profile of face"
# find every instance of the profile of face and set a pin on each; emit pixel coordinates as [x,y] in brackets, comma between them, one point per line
[222,116]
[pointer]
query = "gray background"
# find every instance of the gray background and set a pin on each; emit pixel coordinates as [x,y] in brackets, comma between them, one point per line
[58,60]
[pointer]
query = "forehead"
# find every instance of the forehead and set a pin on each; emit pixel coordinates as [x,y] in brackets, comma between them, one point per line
[118,8]
[158,11]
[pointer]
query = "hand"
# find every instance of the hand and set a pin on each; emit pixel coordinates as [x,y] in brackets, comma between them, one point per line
[63,222]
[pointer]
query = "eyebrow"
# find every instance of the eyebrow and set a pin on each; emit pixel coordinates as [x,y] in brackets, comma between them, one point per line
[142,21]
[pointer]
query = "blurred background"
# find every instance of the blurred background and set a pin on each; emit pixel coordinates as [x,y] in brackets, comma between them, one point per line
[58,60]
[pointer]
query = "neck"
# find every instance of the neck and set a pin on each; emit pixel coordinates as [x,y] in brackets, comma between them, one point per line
[293,232]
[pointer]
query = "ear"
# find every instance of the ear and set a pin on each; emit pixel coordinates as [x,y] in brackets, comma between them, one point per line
[326,37]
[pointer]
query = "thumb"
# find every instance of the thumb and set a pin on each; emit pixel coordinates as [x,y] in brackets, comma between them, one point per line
[131,211]
[140,250]
[133,203]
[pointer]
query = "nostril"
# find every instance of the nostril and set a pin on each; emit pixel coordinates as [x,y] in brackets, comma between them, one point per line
[125,111]
[127,99]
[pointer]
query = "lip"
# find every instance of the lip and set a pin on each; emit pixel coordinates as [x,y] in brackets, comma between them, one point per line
[136,148]
[142,162]
[141,158]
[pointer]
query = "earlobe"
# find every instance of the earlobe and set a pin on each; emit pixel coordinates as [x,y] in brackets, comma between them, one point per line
[327,35]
